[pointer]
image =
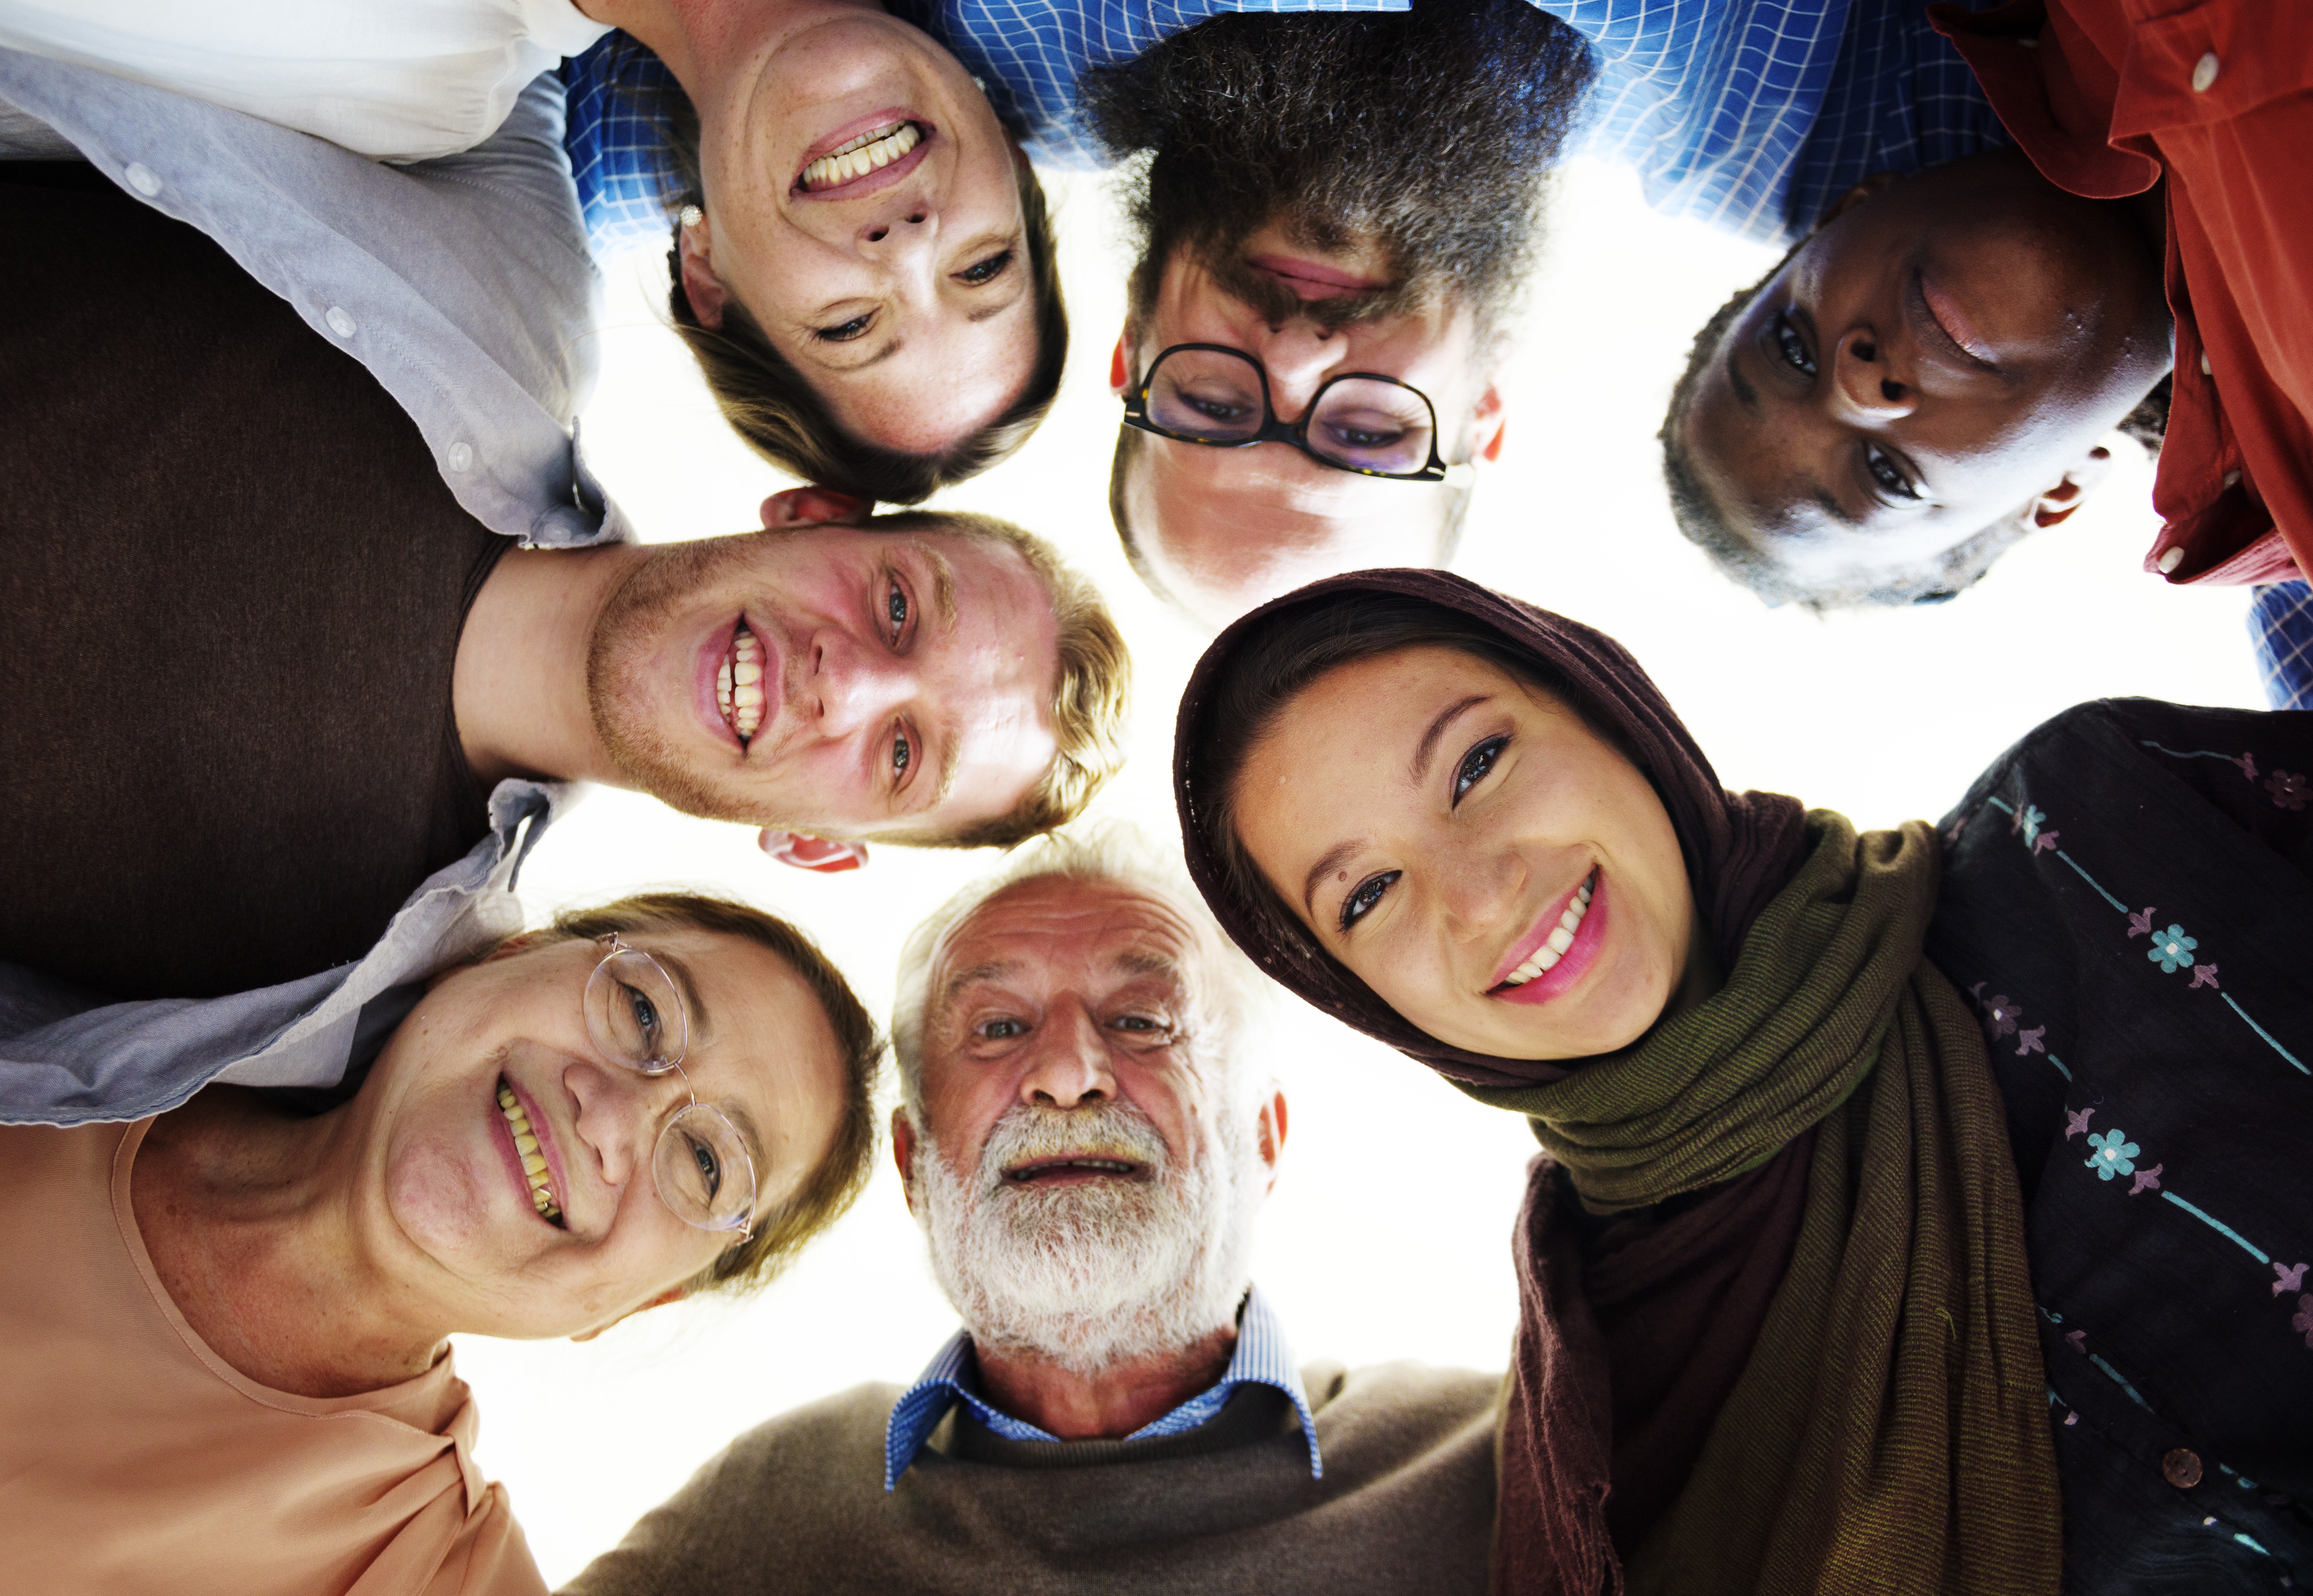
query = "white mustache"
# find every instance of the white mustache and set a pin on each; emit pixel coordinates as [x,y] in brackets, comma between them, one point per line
[1027,1133]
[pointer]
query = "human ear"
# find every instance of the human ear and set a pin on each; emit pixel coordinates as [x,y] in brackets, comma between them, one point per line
[806,853]
[814,506]
[1486,442]
[701,286]
[1120,364]
[672,1294]
[2056,505]
[1271,1131]
[1856,195]
[904,1154]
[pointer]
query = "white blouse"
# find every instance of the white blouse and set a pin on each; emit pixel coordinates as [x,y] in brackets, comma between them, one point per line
[396,80]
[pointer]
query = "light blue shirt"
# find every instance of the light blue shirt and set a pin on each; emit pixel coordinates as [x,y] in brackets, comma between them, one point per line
[1261,1357]
[67,1059]
[463,284]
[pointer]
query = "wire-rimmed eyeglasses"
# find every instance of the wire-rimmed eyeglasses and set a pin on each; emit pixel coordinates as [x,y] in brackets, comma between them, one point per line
[1360,422]
[634,1014]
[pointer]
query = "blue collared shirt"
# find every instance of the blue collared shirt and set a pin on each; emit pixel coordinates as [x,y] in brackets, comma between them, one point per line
[2280,624]
[1262,1358]
[1752,115]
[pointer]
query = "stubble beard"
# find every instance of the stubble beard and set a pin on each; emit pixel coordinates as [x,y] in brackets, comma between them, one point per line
[1102,1273]
[634,622]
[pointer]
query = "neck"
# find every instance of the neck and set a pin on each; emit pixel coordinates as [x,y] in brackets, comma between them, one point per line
[247,1212]
[519,687]
[1111,1404]
[710,44]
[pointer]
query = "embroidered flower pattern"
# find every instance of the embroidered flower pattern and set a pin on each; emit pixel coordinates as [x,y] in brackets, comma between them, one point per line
[2304,1319]
[2248,763]
[2172,949]
[2139,923]
[2114,1154]
[2028,1042]
[2045,842]
[2204,975]
[2000,1017]
[2076,1120]
[2292,1275]
[2289,789]
[2027,821]
[2147,1180]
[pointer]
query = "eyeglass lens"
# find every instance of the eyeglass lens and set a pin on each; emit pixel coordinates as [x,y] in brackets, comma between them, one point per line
[635,1016]
[1365,423]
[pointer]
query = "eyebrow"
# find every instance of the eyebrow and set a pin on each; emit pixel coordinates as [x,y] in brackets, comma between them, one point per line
[1333,857]
[994,971]
[702,1022]
[943,583]
[1427,749]
[1742,390]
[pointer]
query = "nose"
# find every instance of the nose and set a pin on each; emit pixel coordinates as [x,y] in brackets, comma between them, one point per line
[1478,893]
[1298,356]
[620,1112]
[1865,388]
[856,686]
[1069,1064]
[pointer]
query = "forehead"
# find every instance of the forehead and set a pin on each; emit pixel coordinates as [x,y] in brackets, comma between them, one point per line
[1055,932]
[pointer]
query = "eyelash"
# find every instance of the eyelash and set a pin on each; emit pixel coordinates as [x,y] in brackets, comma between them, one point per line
[1895,484]
[1476,765]
[981,273]
[1364,895]
[1789,345]
[855,328]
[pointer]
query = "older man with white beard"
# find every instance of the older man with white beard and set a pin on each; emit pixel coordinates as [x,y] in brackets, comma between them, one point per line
[1087,1139]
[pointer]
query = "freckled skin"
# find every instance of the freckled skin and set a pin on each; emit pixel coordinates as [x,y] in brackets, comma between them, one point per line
[1461,884]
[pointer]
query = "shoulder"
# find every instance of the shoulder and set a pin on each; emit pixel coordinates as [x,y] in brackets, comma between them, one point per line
[1414,1405]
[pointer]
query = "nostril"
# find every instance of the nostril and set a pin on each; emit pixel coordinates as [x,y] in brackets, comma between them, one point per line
[1866,350]
[1891,391]
[877,236]
[917,218]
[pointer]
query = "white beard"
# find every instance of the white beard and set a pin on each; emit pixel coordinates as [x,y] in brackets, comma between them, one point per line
[1105,1272]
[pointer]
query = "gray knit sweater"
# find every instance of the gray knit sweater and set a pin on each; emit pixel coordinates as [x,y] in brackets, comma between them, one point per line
[797,1505]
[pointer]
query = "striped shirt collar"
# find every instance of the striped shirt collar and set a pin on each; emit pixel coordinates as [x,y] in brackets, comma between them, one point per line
[1262,1358]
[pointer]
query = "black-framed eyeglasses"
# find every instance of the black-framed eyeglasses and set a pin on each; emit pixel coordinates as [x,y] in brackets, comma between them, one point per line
[1360,422]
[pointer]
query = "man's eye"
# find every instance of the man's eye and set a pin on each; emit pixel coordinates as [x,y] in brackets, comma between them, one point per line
[999,1030]
[895,611]
[1365,895]
[1135,1022]
[845,332]
[1226,410]
[1890,476]
[1792,345]
[1477,764]
[901,754]
[986,271]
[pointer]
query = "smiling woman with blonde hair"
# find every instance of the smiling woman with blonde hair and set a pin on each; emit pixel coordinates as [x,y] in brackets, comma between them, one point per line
[240,1310]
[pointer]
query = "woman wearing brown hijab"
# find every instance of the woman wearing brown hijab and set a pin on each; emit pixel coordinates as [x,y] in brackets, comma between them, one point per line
[1778,1263]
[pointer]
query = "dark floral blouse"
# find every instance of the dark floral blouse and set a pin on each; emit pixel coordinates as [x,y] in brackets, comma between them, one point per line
[2128,900]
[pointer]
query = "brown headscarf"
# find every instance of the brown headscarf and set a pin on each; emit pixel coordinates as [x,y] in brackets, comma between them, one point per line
[1740,847]
[1834,1317]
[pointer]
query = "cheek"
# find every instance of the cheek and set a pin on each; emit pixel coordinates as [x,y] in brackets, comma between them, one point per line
[437,1197]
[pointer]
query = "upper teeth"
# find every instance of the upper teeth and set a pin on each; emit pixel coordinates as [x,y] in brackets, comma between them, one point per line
[739,684]
[862,155]
[1562,936]
[534,1161]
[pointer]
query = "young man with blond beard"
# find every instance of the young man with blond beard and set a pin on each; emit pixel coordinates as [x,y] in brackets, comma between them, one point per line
[269,670]
[1087,1139]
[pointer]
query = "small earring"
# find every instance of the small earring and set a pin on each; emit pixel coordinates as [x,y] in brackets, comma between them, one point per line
[691,215]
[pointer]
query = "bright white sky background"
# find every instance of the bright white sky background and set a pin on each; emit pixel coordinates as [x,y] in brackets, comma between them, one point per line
[1388,1236]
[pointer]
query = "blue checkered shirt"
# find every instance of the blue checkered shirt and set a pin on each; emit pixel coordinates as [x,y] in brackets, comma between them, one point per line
[2280,624]
[1752,115]
[1262,1358]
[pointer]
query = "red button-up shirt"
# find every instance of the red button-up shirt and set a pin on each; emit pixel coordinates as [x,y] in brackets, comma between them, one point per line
[2107,97]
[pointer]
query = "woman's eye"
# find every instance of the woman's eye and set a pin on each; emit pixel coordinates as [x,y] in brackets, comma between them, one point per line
[1890,476]
[645,1011]
[846,332]
[710,1171]
[895,611]
[1792,345]
[1477,764]
[1365,895]
[986,271]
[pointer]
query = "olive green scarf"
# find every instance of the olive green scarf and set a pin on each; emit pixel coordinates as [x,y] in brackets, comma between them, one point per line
[1890,1431]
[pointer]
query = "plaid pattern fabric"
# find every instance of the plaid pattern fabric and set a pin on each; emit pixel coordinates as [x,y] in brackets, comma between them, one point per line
[1752,115]
[2281,625]
[1262,1358]
[627,184]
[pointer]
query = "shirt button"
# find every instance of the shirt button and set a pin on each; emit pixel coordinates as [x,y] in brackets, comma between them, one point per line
[141,178]
[461,456]
[2232,478]
[2204,73]
[2204,363]
[2180,1467]
[339,322]
[2171,559]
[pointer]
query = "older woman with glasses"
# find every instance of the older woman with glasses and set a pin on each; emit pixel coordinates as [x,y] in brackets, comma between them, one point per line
[229,1322]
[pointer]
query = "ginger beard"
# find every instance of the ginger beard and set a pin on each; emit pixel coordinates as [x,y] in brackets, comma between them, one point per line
[1103,1272]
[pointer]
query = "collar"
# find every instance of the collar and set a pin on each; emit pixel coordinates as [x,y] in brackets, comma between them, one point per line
[1263,1357]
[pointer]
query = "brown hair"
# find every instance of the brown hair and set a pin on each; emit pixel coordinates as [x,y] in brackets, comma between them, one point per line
[782,417]
[1092,696]
[836,1180]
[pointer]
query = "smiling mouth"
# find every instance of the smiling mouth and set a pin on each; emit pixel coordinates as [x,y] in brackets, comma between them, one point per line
[1074,1165]
[526,1148]
[739,684]
[1562,936]
[871,150]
